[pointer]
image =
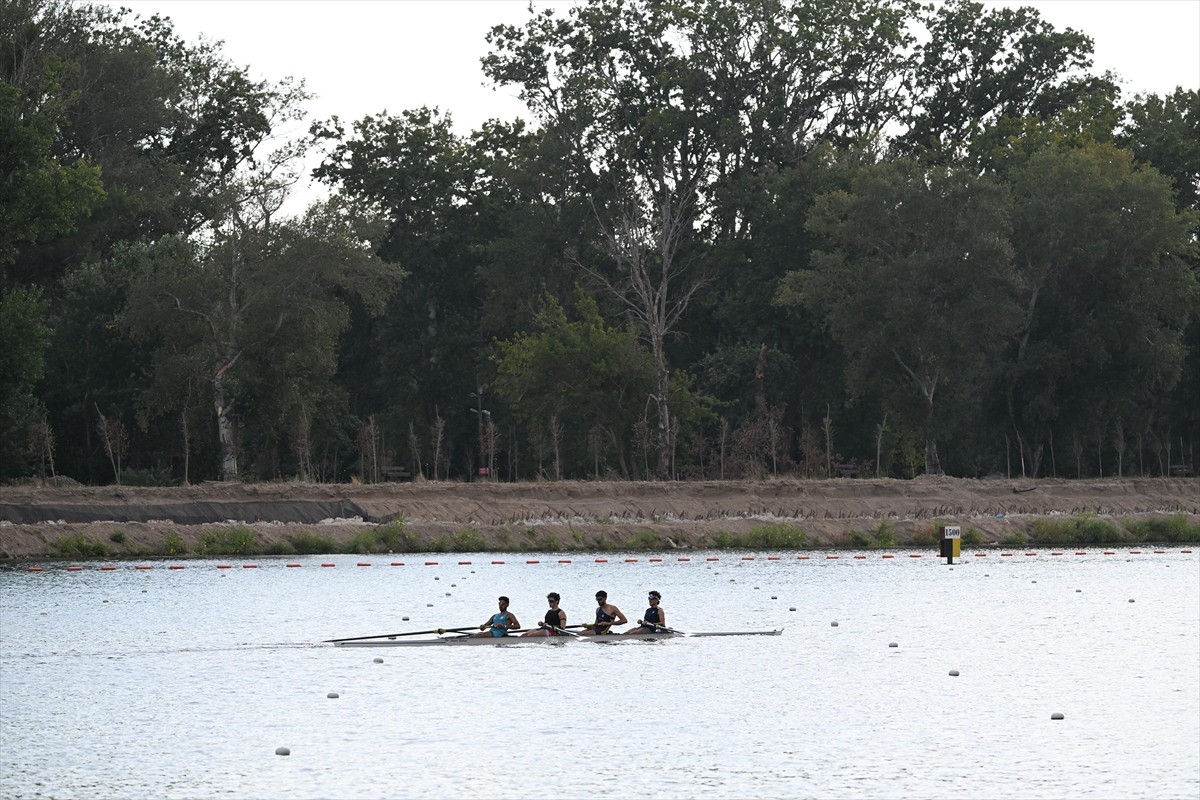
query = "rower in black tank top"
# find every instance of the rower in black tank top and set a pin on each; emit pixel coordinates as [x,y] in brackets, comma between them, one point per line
[651,616]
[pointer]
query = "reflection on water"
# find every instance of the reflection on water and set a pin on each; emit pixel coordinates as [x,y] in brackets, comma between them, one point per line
[136,683]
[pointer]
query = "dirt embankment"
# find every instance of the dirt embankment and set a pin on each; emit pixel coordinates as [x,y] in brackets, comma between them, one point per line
[579,515]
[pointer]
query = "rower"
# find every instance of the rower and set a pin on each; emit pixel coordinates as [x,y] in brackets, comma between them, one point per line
[501,623]
[555,618]
[655,619]
[607,615]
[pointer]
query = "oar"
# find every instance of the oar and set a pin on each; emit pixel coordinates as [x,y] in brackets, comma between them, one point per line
[567,632]
[656,628]
[406,633]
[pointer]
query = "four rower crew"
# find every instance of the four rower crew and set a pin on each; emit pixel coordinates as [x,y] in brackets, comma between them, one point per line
[655,619]
[607,615]
[555,619]
[499,624]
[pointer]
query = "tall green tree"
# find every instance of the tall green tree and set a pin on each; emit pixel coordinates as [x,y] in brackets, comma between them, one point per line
[583,377]
[915,280]
[983,67]
[264,293]
[26,336]
[1164,131]
[166,122]
[1105,295]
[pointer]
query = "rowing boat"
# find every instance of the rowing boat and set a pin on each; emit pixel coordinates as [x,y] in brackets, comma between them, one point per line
[454,641]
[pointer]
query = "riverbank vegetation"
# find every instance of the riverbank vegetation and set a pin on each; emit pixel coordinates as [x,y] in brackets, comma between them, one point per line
[960,250]
[397,538]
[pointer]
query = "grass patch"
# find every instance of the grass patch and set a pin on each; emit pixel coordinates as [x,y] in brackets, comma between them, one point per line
[75,546]
[117,537]
[1165,529]
[236,541]
[972,537]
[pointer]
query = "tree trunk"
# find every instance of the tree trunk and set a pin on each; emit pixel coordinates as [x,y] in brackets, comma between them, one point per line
[226,429]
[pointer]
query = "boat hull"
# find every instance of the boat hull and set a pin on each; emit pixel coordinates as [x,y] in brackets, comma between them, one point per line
[468,641]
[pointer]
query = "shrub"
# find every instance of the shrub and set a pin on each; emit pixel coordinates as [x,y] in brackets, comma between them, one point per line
[75,546]
[278,549]
[860,540]
[117,537]
[762,537]
[645,540]
[468,540]
[972,537]
[1165,529]
[310,544]
[1080,529]
[238,541]
[173,544]
[395,537]
[1013,539]
[885,534]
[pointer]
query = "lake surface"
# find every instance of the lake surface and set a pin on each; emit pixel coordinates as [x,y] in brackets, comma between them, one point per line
[182,683]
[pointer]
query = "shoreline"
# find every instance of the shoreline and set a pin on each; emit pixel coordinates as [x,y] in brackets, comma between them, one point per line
[212,520]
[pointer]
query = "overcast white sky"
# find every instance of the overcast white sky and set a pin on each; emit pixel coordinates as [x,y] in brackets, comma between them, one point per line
[365,56]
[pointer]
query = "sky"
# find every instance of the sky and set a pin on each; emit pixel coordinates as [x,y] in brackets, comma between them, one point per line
[363,57]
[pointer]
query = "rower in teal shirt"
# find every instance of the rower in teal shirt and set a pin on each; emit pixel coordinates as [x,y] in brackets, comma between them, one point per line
[499,624]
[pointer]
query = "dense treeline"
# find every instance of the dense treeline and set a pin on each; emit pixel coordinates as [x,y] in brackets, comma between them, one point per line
[732,240]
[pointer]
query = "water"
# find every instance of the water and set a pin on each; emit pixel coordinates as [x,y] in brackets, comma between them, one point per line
[182,683]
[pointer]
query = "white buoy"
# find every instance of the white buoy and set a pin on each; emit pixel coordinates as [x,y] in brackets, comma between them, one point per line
[282,751]
[332,695]
[1057,715]
[379,661]
[953,673]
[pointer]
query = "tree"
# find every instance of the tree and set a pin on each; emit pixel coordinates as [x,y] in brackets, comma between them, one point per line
[1105,293]
[42,195]
[982,68]
[425,350]
[263,293]
[582,374]
[26,337]
[1163,132]
[915,277]
[161,123]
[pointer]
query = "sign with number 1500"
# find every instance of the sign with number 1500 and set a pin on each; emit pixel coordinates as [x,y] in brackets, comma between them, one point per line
[953,532]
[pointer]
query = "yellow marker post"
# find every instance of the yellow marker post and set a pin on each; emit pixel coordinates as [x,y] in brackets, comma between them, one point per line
[951,542]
